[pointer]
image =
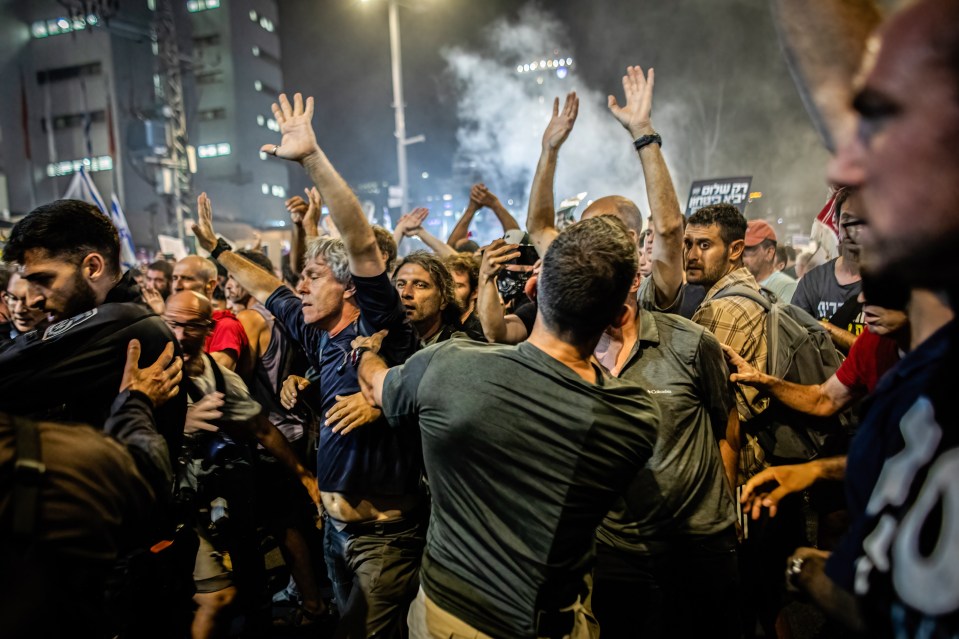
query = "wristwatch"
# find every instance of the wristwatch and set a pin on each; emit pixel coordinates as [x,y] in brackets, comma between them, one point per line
[646,140]
[221,245]
[793,571]
[357,354]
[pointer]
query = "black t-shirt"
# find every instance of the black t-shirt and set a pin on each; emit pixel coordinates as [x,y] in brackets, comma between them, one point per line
[527,314]
[375,459]
[524,459]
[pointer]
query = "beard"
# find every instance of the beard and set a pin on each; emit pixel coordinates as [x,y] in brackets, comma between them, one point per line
[930,267]
[81,299]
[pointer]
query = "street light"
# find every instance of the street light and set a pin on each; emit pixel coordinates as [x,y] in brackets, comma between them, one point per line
[399,107]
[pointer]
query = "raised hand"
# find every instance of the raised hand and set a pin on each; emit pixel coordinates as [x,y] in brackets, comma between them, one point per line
[561,123]
[745,372]
[477,194]
[634,116]
[295,120]
[297,207]
[153,299]
[484,197]
[414,220]
[160,381]
[311,218]
[203,229]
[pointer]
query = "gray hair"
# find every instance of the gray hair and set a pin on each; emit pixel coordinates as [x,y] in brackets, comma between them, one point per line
[333,252]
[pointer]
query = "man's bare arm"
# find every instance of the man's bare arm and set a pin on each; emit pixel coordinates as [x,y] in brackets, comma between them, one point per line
[493,203]
[729,448]
[823,43]
[818,400]
[462,228]
[273,441]
[541,219]
[255,279]
[497,327]
[667,217]
[836,602]
[299,145]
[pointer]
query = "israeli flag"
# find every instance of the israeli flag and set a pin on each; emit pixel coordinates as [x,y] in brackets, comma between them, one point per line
[83,188]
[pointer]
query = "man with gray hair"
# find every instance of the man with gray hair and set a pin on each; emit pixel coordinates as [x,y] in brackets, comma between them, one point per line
[369,479]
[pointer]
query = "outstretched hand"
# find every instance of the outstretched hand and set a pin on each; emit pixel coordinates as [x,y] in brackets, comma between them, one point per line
[160,381]
[561,124]
[295,120]
[203,229]
[413,221]
[766,489]
[311,219]
[745,373]
[635,115]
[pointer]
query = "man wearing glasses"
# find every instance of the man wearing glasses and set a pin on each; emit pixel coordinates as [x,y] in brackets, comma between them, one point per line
[23,319]
[830,292]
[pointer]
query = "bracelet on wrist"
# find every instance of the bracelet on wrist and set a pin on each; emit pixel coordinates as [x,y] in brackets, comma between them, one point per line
[646,140]
[221,245]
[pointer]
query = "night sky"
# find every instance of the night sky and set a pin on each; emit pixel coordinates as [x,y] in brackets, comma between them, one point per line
[725,103]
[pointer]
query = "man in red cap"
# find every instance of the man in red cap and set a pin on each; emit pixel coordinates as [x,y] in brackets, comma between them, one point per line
[759,257]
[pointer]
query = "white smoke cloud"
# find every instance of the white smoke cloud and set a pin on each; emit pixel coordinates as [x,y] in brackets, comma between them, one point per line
[503,113]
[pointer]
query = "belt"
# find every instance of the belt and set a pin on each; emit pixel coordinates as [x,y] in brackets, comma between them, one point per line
[379,527]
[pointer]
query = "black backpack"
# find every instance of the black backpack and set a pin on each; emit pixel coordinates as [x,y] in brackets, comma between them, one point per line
[798,350]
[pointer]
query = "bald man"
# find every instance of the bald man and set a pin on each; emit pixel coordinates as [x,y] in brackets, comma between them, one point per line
[228,343]
[221,416]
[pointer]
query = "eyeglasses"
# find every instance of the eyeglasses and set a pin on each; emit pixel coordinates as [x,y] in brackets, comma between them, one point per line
[12,300]
[193,327]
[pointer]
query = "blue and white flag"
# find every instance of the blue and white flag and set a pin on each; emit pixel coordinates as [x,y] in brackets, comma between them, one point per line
[83,188]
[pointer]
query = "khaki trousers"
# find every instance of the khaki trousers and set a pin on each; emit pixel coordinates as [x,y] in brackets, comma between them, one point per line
[428,621]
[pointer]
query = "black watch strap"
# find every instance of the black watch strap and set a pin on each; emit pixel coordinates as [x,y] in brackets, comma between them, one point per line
[646,140]
[221,245]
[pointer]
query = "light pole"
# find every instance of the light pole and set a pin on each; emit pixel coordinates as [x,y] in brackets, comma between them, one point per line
[396,61]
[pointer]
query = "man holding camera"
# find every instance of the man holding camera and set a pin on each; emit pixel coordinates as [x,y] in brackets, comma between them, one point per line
[215,473]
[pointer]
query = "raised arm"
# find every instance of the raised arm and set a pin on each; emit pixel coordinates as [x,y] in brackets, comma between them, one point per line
[667,224]
[415,228]
[299,145]
[255,279]
[497,327]
[819,400]
[461,231]
[541,219]
[493,203]
[823,42]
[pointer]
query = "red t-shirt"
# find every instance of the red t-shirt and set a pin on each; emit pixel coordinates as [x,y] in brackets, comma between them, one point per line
[227,335]
[869,358]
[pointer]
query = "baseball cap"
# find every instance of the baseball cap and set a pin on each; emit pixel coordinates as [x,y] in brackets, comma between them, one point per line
[757,231]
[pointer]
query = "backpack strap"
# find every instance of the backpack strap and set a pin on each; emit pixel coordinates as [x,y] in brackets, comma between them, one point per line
[738,290]
[28,475]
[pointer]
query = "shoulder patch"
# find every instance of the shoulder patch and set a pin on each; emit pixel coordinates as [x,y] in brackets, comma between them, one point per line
[58,329]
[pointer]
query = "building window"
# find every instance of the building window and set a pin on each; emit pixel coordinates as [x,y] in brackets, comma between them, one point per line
[209,77]
[57,26]
[213,150]
[265,55]
[73,120]
[263,21]
[101,163]
[269,123]
[68,73]
[265,88]
[211,114]
[273,189]
[207,41]
[194,6]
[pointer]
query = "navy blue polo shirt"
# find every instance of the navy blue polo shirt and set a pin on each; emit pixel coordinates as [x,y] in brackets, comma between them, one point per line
[374,459]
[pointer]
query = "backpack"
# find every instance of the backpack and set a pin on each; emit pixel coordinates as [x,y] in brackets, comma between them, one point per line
[798,350]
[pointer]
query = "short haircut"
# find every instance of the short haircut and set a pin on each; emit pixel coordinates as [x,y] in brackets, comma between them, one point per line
[784,253]
[465,264]
[587,273]
[163,266]
[259,258]
[387,244]
[731,223]
[442,280]
[6,272]
[842,195]
[65,229]
[767,243]
[333,252]
[467,246]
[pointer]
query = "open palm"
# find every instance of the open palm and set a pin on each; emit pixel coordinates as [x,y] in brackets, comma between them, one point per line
[638,88]
[561,124]
[295,120]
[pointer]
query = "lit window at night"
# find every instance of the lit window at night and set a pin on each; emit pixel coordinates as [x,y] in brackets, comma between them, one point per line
[57,26]
[213,150]
[101,163]
[193,6]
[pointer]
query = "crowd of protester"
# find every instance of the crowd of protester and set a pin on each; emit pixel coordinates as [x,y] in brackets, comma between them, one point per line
[640,427]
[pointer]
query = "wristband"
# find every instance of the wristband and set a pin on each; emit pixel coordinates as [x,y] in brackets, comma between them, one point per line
[646,140]
[221,245]
[357,355]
